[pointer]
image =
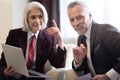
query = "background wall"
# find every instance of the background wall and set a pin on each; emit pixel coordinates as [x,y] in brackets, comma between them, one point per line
[17,15]
[5,19]
[10,17]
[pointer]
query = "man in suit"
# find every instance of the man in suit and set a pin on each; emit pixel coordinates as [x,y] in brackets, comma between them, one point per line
[35,20]
[101,56]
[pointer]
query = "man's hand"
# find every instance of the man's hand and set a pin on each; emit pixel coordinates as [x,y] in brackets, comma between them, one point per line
[79,53]
[101,77]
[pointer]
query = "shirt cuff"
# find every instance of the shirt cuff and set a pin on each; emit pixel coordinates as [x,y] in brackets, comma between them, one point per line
[113,75]
[76,65]
[63,47]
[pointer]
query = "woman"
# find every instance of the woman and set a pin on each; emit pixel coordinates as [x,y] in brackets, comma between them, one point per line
[34,23]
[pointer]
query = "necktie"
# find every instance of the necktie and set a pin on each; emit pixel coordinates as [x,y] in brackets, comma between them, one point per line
[82,39]
[31,52]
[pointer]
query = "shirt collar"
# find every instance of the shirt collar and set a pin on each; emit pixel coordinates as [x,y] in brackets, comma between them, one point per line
[30,34]
[87,34]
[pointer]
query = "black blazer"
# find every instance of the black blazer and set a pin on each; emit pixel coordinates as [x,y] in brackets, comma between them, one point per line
[46,49]
[105,49]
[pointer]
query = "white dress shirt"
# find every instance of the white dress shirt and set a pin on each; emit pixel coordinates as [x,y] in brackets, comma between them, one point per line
[30,34]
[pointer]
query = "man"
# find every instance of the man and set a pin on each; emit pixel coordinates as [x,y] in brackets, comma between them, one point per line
[101,56]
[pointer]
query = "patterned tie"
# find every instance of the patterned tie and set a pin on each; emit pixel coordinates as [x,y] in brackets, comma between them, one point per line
[31,52]
[82,39]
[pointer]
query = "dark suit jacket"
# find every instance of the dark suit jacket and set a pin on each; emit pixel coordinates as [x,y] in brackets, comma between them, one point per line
[105,49]
[46,49]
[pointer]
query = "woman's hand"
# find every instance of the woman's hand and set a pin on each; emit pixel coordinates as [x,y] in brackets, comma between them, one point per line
[9,71]
[54,31]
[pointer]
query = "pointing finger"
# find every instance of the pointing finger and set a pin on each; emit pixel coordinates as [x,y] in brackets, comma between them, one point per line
[54,23]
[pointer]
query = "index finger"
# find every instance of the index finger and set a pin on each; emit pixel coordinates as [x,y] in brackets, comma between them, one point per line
[54,24]
[82,46]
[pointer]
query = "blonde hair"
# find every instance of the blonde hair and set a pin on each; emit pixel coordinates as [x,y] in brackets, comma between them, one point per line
[28,8]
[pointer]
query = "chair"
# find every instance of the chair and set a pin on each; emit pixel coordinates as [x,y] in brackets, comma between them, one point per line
[62,74]
[56,74]
[70,75]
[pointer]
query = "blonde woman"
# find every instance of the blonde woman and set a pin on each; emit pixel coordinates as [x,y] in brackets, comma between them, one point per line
[34,23]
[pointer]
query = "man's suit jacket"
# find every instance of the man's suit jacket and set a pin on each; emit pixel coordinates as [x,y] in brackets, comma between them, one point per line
[46,49]
[105,49]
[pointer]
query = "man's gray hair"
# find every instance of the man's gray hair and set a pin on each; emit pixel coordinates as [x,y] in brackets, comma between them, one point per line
[81,3]
[28,8]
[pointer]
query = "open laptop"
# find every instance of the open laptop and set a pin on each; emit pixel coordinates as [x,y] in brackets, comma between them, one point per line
[14,56]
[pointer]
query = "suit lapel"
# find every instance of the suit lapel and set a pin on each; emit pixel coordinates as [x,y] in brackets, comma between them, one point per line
[92,35]
[23,41]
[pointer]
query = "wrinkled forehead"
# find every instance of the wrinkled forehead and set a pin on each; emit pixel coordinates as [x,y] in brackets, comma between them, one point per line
[76,10]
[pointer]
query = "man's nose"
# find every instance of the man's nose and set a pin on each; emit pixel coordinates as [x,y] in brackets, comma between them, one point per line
[76,22]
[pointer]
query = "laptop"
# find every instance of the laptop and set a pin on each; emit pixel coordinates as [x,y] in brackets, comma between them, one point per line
[14,56]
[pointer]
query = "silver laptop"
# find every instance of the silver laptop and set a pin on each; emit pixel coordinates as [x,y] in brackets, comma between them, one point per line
[14,56]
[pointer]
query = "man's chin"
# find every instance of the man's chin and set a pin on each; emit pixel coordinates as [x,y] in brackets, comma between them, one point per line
[80,33]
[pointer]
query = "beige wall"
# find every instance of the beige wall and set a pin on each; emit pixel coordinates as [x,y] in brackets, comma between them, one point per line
[5,19]
[10,17]
[18,8]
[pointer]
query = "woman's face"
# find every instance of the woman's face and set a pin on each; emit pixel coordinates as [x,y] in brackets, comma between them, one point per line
[35,19]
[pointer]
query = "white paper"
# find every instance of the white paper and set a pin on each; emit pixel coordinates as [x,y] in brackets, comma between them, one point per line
[85,77]
[14,56]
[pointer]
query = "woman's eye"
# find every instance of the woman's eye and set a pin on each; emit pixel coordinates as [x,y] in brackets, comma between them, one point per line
[33,17]
[40,17]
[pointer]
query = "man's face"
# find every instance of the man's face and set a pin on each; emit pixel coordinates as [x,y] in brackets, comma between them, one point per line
[79,19]
[35,20]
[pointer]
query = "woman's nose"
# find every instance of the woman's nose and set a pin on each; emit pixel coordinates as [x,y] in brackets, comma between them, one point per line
[37,20]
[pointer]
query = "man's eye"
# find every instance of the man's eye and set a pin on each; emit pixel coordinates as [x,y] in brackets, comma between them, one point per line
[71,20]
[79,17]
